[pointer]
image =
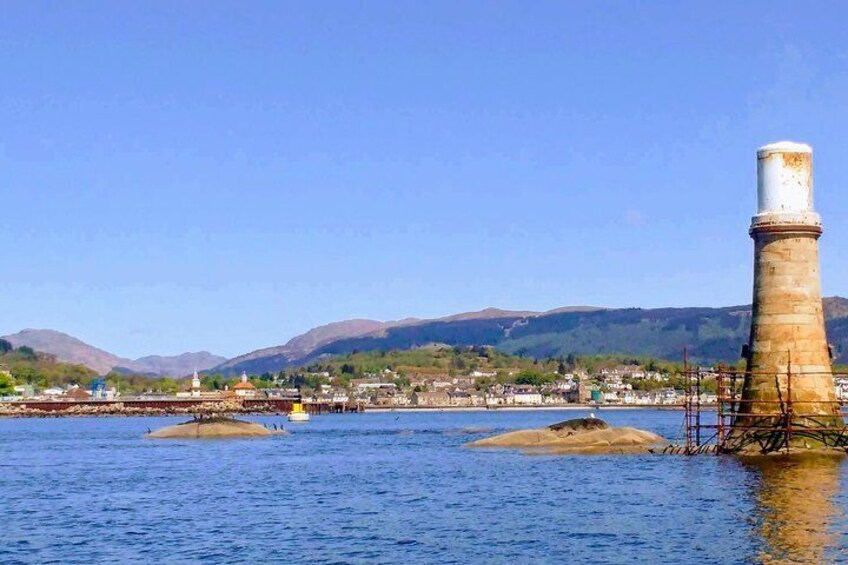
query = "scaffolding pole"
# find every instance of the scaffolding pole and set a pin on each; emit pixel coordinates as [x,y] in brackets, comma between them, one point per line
[730,422]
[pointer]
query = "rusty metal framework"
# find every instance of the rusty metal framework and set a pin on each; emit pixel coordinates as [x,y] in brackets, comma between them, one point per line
[714,425]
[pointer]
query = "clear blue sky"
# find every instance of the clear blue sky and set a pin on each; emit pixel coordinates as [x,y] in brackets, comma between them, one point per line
[202,175]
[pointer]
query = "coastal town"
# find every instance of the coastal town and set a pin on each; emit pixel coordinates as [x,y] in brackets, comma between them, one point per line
[616,386]
[439,378]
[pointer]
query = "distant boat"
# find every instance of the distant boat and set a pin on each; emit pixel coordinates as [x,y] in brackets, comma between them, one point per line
[298,414]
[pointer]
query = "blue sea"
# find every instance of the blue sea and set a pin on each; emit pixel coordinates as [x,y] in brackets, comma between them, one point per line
[399,487]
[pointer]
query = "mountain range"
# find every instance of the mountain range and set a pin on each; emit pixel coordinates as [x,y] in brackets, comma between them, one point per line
[362,335]
[709,334]
[71,350]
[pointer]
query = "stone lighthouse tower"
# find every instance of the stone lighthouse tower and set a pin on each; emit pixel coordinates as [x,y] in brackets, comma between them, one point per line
[788,355]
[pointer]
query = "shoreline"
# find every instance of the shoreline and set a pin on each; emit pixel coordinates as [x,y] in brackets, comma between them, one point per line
[112,412]
[567,407]
[53,415]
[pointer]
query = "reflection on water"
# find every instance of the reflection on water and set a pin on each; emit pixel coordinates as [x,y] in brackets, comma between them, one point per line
[795,509]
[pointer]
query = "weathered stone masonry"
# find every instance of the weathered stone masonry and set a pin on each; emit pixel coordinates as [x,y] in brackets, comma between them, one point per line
[787,328]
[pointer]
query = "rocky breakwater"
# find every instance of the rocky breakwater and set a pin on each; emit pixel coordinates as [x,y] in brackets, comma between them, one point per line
[578,436]
[220,407]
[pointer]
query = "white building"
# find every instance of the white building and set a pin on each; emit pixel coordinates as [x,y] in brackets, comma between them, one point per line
[611,397]
[245,388]
[527,398]
[841,385]
[361,388]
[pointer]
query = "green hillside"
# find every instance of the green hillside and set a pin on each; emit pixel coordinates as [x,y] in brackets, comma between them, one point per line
[25,366]
[41,370]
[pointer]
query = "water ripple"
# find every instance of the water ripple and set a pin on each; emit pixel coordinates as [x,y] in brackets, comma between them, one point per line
[388,488]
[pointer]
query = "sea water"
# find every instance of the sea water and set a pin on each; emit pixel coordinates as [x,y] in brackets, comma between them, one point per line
[399,487]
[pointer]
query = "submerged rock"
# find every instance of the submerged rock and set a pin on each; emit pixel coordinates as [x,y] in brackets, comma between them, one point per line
[214,428]
[582,435]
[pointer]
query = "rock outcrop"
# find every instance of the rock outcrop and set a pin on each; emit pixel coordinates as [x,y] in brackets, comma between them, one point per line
[212,428]
[579,436]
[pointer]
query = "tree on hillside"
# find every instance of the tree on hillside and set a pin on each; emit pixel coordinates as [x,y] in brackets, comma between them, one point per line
[7,384]
[27,374]
[168,385]
[5,346]
[535,378]
[458,362]
[26,352]
[647,384]
[211,382]
[483,383]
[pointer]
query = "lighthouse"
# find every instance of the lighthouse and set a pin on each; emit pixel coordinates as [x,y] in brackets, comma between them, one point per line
[788,396]
[195,385]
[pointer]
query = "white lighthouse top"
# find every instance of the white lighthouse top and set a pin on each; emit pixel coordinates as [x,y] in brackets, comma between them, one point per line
[785,178]
[783,147]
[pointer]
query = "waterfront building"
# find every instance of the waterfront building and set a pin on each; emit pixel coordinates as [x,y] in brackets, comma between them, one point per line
[245,388]
[527,397]
[277,392]
[494,399]
[463,398]
[610,397]
[440,398]
[560,395]
[388,397]
[362,388]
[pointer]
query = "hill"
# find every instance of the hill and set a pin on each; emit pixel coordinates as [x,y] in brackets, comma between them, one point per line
[710,334]
[301,348]
[302,345]
[26,366]
[176,365]
[68,349]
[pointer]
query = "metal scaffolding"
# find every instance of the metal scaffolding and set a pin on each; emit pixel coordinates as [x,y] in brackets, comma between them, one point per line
[717,426]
